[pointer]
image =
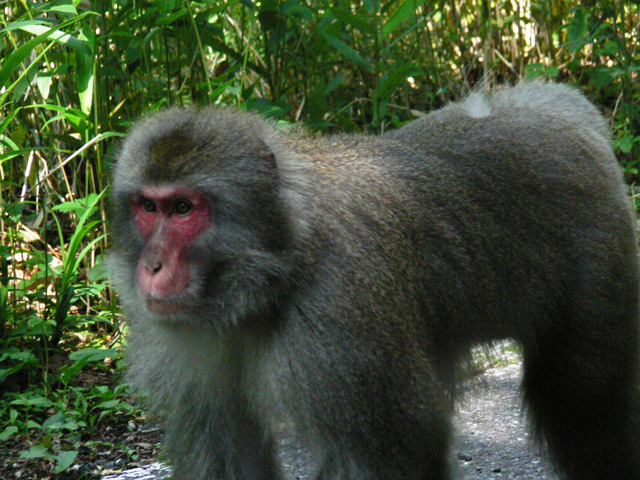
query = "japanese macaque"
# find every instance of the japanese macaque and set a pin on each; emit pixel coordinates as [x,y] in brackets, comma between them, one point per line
[334,284]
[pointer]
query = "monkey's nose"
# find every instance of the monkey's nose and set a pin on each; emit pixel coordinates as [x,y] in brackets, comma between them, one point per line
[152,266]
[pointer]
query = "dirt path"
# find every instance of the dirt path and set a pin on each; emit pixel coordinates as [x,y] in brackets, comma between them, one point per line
[491,442]
[491,439]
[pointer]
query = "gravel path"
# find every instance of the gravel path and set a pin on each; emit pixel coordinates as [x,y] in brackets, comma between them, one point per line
[491,441]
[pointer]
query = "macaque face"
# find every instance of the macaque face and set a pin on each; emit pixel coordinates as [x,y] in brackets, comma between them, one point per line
[169,219]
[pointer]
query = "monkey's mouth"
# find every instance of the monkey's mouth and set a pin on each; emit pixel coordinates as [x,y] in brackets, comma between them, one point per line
[165,306]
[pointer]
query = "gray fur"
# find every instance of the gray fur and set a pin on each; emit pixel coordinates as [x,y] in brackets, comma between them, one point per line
[339,294]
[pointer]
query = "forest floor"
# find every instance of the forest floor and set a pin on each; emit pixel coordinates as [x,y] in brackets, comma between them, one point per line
[112,449]
[491,443]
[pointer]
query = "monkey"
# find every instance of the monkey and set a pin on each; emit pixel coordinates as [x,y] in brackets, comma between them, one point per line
[335,283]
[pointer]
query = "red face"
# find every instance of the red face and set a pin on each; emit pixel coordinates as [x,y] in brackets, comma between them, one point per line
[169,218]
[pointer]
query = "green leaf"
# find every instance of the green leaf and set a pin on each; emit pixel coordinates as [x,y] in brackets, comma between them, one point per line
[389,82]
[169,19]
[19,355]
[33,402]
[93,354]
[12,63]
[55,421]
[625,143]
[361,22]
[533,70]
[37,451]
[70,9]
[348,52]
[108,404]
[98,272]
[84,78]
[32,424]
[577,31]
[64,460]
[8,432]
[43,80]
[404,12]
[335,82]
[59,36]
[552,71]
[602,76]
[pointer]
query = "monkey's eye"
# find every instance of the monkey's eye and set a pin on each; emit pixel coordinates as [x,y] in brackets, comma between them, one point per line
[147,205]
[182,206]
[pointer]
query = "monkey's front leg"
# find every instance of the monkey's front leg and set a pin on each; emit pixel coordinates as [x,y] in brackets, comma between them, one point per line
[220,442]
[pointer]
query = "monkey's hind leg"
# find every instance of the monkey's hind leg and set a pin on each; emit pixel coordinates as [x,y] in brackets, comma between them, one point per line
[402,434]
[581,388]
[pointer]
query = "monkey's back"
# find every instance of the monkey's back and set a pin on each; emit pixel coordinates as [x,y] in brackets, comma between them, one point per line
[481,208]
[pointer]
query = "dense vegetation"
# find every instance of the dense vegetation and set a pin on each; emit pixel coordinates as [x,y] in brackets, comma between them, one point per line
[73,75]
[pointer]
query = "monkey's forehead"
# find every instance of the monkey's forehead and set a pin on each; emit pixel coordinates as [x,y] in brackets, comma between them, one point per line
[177,142]
[188,128]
